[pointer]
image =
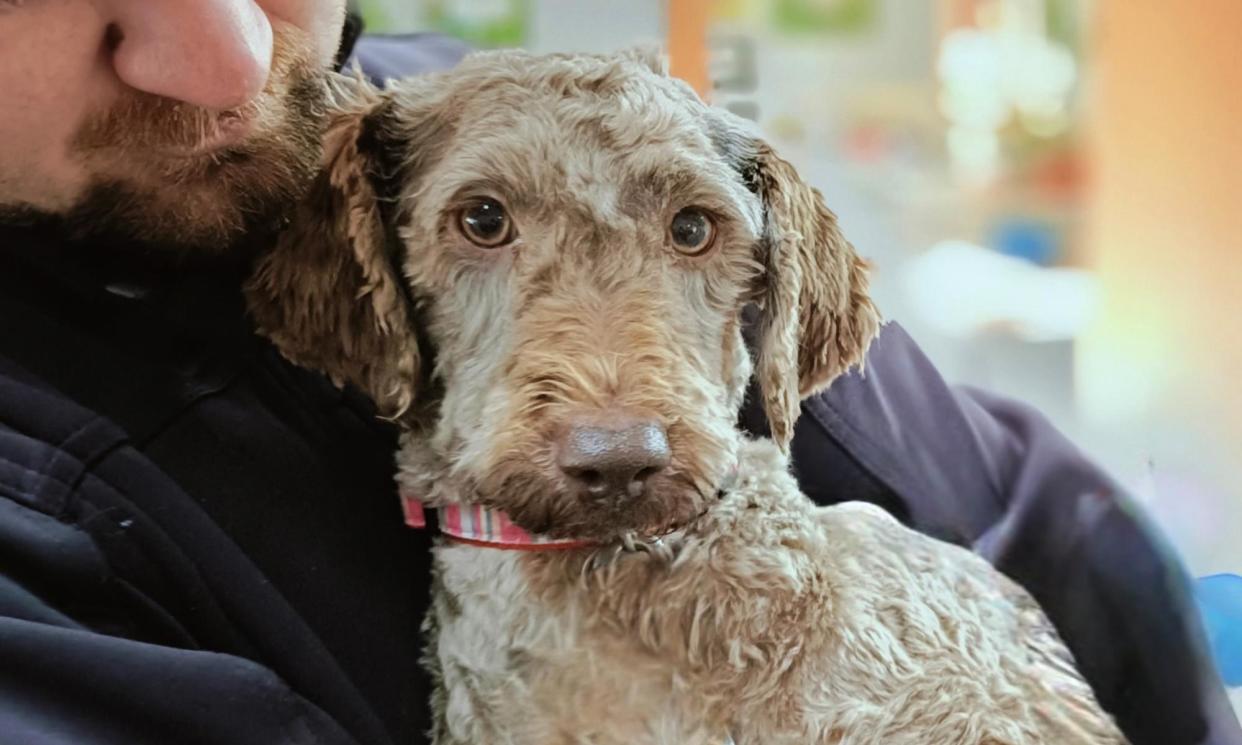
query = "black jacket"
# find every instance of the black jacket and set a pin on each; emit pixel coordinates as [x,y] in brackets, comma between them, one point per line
[200,543]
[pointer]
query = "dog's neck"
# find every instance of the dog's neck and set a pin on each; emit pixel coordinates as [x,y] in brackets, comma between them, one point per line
[472,523]
[476,525]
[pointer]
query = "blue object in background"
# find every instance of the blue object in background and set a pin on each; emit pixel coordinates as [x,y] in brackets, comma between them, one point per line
[1024,238]
[1220,602]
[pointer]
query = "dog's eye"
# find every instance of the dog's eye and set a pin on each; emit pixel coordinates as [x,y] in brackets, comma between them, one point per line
[693,231]
[485,223]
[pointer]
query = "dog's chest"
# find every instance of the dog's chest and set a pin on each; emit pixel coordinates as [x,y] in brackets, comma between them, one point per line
[520,663]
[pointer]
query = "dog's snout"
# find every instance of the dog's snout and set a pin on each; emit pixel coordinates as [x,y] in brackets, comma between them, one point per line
[611,456]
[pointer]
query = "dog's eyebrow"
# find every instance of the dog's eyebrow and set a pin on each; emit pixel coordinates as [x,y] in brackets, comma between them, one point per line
[685,186]
[515,193]
[664,180]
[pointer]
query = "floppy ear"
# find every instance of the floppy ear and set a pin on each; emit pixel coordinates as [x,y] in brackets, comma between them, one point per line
[328,294]
[817,318]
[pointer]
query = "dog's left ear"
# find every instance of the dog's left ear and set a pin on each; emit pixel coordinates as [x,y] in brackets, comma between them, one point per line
[328,294]
[817,317]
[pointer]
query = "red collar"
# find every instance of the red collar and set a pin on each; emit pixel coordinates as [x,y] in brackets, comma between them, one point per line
[478,526]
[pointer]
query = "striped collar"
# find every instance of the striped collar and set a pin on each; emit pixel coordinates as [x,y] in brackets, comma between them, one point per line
[476,525]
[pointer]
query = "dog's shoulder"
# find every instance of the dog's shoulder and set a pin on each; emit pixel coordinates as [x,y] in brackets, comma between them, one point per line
[860,545]
[763,505]
[763,480]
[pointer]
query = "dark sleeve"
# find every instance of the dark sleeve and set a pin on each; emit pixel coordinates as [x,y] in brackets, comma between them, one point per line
[1109,580]
[980,471]
[111,629]
[61,684]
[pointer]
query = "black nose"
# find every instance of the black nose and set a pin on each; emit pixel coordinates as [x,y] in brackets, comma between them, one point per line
[611,455]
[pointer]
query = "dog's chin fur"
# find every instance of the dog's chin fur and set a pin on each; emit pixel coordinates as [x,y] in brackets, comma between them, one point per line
[543,505]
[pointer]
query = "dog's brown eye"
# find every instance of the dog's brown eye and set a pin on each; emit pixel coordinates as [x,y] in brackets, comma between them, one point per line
[485,223]
[693,231]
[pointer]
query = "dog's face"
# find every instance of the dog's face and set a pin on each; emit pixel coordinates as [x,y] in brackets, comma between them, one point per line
[539,265]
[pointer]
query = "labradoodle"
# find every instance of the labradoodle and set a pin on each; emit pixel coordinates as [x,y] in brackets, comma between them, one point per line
[536,266]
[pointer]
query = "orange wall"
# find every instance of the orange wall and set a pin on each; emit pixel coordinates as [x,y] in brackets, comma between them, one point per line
[1165,218]
[687,42]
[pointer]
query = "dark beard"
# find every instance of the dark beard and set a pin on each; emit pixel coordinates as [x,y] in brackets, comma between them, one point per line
[235,200]
[254,187]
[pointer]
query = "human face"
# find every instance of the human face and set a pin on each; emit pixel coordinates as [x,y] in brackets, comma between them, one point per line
[183,122]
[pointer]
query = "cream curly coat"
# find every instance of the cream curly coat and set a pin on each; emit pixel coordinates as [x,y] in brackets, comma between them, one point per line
[769,621]
[758,617]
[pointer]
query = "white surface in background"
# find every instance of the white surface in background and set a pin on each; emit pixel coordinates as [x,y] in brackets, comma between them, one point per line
[962,290]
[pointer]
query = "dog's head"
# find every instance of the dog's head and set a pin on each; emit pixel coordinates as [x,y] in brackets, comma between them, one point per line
[538,265]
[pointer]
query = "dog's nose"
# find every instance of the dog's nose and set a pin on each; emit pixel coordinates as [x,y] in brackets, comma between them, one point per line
[612,455]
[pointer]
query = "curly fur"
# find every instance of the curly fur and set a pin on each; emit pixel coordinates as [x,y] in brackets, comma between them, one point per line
[756,616]
[769,621]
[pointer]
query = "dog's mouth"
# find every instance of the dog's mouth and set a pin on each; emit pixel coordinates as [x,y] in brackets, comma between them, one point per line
[546,506]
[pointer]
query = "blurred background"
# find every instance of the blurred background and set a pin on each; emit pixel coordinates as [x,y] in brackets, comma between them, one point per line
[1050,192]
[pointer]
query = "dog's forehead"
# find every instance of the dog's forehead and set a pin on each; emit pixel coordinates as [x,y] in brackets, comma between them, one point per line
[584,129]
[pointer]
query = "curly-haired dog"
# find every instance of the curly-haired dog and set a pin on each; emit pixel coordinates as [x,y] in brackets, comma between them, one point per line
[537,267]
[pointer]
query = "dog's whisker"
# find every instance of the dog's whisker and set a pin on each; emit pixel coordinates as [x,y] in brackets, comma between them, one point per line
[630,541]
[603,559]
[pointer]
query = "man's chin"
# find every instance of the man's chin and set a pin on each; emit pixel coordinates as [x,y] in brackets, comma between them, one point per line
[191,217]
[209,205]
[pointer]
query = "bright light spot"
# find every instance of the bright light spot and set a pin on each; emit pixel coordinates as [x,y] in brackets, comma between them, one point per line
[1047,122]
[970,58]
[974,154]
[990,74]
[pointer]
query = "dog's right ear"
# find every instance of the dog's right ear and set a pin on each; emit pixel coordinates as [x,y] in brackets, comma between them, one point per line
[328,293]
